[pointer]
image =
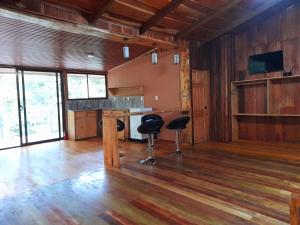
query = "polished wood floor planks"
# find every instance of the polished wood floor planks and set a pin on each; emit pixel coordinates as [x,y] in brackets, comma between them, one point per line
[213,183]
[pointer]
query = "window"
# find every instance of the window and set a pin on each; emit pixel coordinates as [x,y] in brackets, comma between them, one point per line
[85,86]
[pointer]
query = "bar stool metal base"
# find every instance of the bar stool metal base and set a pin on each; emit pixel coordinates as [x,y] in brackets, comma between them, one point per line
[150,161]
[178,153]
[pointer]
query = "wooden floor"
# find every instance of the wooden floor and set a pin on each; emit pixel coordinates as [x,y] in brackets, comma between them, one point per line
[65,183]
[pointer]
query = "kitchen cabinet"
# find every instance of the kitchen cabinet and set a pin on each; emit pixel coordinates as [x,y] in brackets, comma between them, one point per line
[82,124]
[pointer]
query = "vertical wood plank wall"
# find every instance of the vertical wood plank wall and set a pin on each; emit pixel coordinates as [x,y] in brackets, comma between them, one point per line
[227,59]
[218,58]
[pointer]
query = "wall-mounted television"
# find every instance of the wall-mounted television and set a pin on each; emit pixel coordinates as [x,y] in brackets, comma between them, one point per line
[265,63]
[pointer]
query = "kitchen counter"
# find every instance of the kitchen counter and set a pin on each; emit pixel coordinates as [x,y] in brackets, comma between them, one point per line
[95,109]
[84,123]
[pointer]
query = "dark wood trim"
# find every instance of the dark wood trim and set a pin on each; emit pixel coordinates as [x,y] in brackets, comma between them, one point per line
[203,21]
[87,73]
[101,9]
[191,92]
[159,15]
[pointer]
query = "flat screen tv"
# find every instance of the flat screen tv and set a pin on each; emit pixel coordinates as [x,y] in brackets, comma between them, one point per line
[264,63]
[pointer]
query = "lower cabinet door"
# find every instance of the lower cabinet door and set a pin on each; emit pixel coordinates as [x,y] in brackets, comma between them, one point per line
[80,128]
[91,127]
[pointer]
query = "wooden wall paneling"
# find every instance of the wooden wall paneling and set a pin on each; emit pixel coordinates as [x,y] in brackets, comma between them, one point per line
[278,30]
[222,73]
[270,97]
[218,58]
[234,110]
[274,129]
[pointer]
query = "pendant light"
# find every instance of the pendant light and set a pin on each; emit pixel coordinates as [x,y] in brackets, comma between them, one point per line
[154,54]
[176,56]
[126,54]
[154,57]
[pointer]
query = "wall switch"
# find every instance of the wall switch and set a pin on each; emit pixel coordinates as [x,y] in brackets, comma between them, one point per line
[156,98]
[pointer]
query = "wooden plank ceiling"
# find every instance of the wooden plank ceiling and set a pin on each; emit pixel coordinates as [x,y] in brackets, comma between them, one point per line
[186,19]
[26,44]
[201,20]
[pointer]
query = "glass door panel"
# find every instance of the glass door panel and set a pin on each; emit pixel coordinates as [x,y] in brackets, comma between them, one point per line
[9,113]
[42,106]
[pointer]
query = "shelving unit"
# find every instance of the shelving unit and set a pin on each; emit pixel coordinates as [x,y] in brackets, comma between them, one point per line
[127,91]
[266,115]
[266,105]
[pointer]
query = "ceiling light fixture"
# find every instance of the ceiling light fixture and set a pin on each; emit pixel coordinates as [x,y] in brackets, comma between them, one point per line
[154,57]
[91,55]
[126,54]
[176,56]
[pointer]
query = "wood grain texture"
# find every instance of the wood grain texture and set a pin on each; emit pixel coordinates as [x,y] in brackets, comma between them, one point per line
[267,109]
[110,140]
[218,57]
[200,96]
[228,61]
[82,124]
[185,94]
[209,185]
[295,209]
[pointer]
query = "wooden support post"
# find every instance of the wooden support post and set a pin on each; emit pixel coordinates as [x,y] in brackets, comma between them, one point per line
[110,142]
[295,209]
[185,95]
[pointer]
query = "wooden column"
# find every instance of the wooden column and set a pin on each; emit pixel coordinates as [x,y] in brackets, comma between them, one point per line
[110,142]
[295,209]
[185,94]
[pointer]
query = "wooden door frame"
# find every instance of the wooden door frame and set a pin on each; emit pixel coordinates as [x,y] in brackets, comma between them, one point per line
[192,105]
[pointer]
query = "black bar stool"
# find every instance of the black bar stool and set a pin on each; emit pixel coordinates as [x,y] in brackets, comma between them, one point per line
[120,125]
[178,124]
[151,125]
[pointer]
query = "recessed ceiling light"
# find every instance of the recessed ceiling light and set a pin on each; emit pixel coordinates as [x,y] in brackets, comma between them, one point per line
[91,55]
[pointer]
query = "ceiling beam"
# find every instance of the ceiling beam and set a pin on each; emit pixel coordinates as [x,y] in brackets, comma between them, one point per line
[203,21]
[101,10]
[265,6]
[159,15]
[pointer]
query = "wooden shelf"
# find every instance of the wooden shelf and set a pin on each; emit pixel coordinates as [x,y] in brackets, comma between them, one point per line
[255,102]
[267,115]
[127,91]
[263,80]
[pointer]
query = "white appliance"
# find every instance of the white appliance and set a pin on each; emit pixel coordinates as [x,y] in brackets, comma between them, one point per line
[135,121]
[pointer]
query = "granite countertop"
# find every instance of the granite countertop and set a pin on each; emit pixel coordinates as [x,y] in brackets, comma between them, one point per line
[94,109]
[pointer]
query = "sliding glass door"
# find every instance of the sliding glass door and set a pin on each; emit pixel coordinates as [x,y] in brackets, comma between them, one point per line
[31,107]
[9,116]
[42,101]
